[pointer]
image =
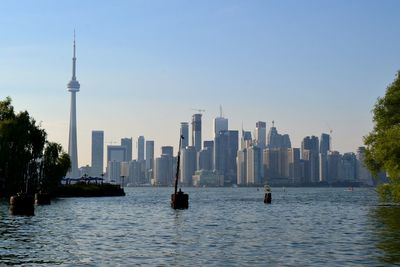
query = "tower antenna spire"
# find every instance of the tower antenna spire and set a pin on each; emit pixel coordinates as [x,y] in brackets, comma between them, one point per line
[74,61]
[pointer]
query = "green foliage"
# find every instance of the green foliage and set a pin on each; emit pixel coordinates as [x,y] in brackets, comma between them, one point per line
[22,144]
[383,143]
[390,192]
[55,166]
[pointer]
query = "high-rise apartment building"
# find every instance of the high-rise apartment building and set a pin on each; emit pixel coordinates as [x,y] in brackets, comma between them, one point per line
[246,140]
[127,143]
[348,169]
[116,153]
[140,148]
[149,154]
[325,144]
[254,166]
[185,134]
[205,157]
[97,153]
[310,143]
[241,164]
[167,150]
[323,167]
[196,131]
[276,166]
[363,175]
[164,170]
[225,152]
[276,140]
[261,134]
[334,162]
[188,166]
[310,156]
[294,166]
[220,124]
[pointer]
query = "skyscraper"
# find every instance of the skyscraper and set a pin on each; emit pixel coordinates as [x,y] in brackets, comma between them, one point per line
[73,87]
[149,159]
[246,140]
[115,155]
[167,150]
[149,154]
[325,144]
[205,157]
[294,166]
[185,134]
[97,153]
[188,166]
[220,123]
[127,142]
[254,165]
[261,134]
[348,170]
[164,170]
[334,160]
[310,143]
[310,155]
[276,140]
[225,153]
[241,164]
[140,148]
[196,131]
[363,175]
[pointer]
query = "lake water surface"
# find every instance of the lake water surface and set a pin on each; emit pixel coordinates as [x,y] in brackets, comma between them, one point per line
[222,227]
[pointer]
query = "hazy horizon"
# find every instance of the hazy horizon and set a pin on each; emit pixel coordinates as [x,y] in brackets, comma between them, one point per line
[143,66]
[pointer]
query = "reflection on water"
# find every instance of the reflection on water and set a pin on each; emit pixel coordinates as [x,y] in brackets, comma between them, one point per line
[222,227]
[387,231]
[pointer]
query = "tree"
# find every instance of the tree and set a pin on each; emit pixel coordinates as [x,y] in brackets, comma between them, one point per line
[22,144]
[55,166]
[383,143]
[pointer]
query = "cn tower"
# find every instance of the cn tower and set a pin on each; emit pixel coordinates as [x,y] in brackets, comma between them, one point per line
[73,87]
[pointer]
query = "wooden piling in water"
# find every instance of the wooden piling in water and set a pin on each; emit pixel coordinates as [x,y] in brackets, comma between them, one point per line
[22,204]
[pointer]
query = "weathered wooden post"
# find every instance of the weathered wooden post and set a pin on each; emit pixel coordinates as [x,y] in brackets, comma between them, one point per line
[179,200]
[22,204]
[42,198]
[267,195]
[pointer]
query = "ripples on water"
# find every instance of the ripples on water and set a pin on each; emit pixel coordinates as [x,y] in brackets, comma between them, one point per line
[222,227]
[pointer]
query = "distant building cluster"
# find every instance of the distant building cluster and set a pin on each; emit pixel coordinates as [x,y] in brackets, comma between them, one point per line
[245,159]
[266,159]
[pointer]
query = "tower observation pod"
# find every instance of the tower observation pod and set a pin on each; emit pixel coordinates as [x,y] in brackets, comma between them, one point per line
[179,200]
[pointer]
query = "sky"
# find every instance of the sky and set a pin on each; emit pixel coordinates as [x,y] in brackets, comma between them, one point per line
[144,66]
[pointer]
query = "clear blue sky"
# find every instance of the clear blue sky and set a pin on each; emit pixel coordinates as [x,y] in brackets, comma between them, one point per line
[311,66]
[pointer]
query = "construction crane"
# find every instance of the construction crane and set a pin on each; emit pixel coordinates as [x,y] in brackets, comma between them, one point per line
[199,110]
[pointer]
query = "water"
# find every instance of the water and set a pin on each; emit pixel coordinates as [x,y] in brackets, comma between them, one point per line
[222,227]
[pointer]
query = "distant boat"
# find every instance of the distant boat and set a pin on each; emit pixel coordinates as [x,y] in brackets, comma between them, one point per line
[350,189]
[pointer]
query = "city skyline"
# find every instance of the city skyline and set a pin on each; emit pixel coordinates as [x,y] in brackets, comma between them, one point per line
[145,72]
